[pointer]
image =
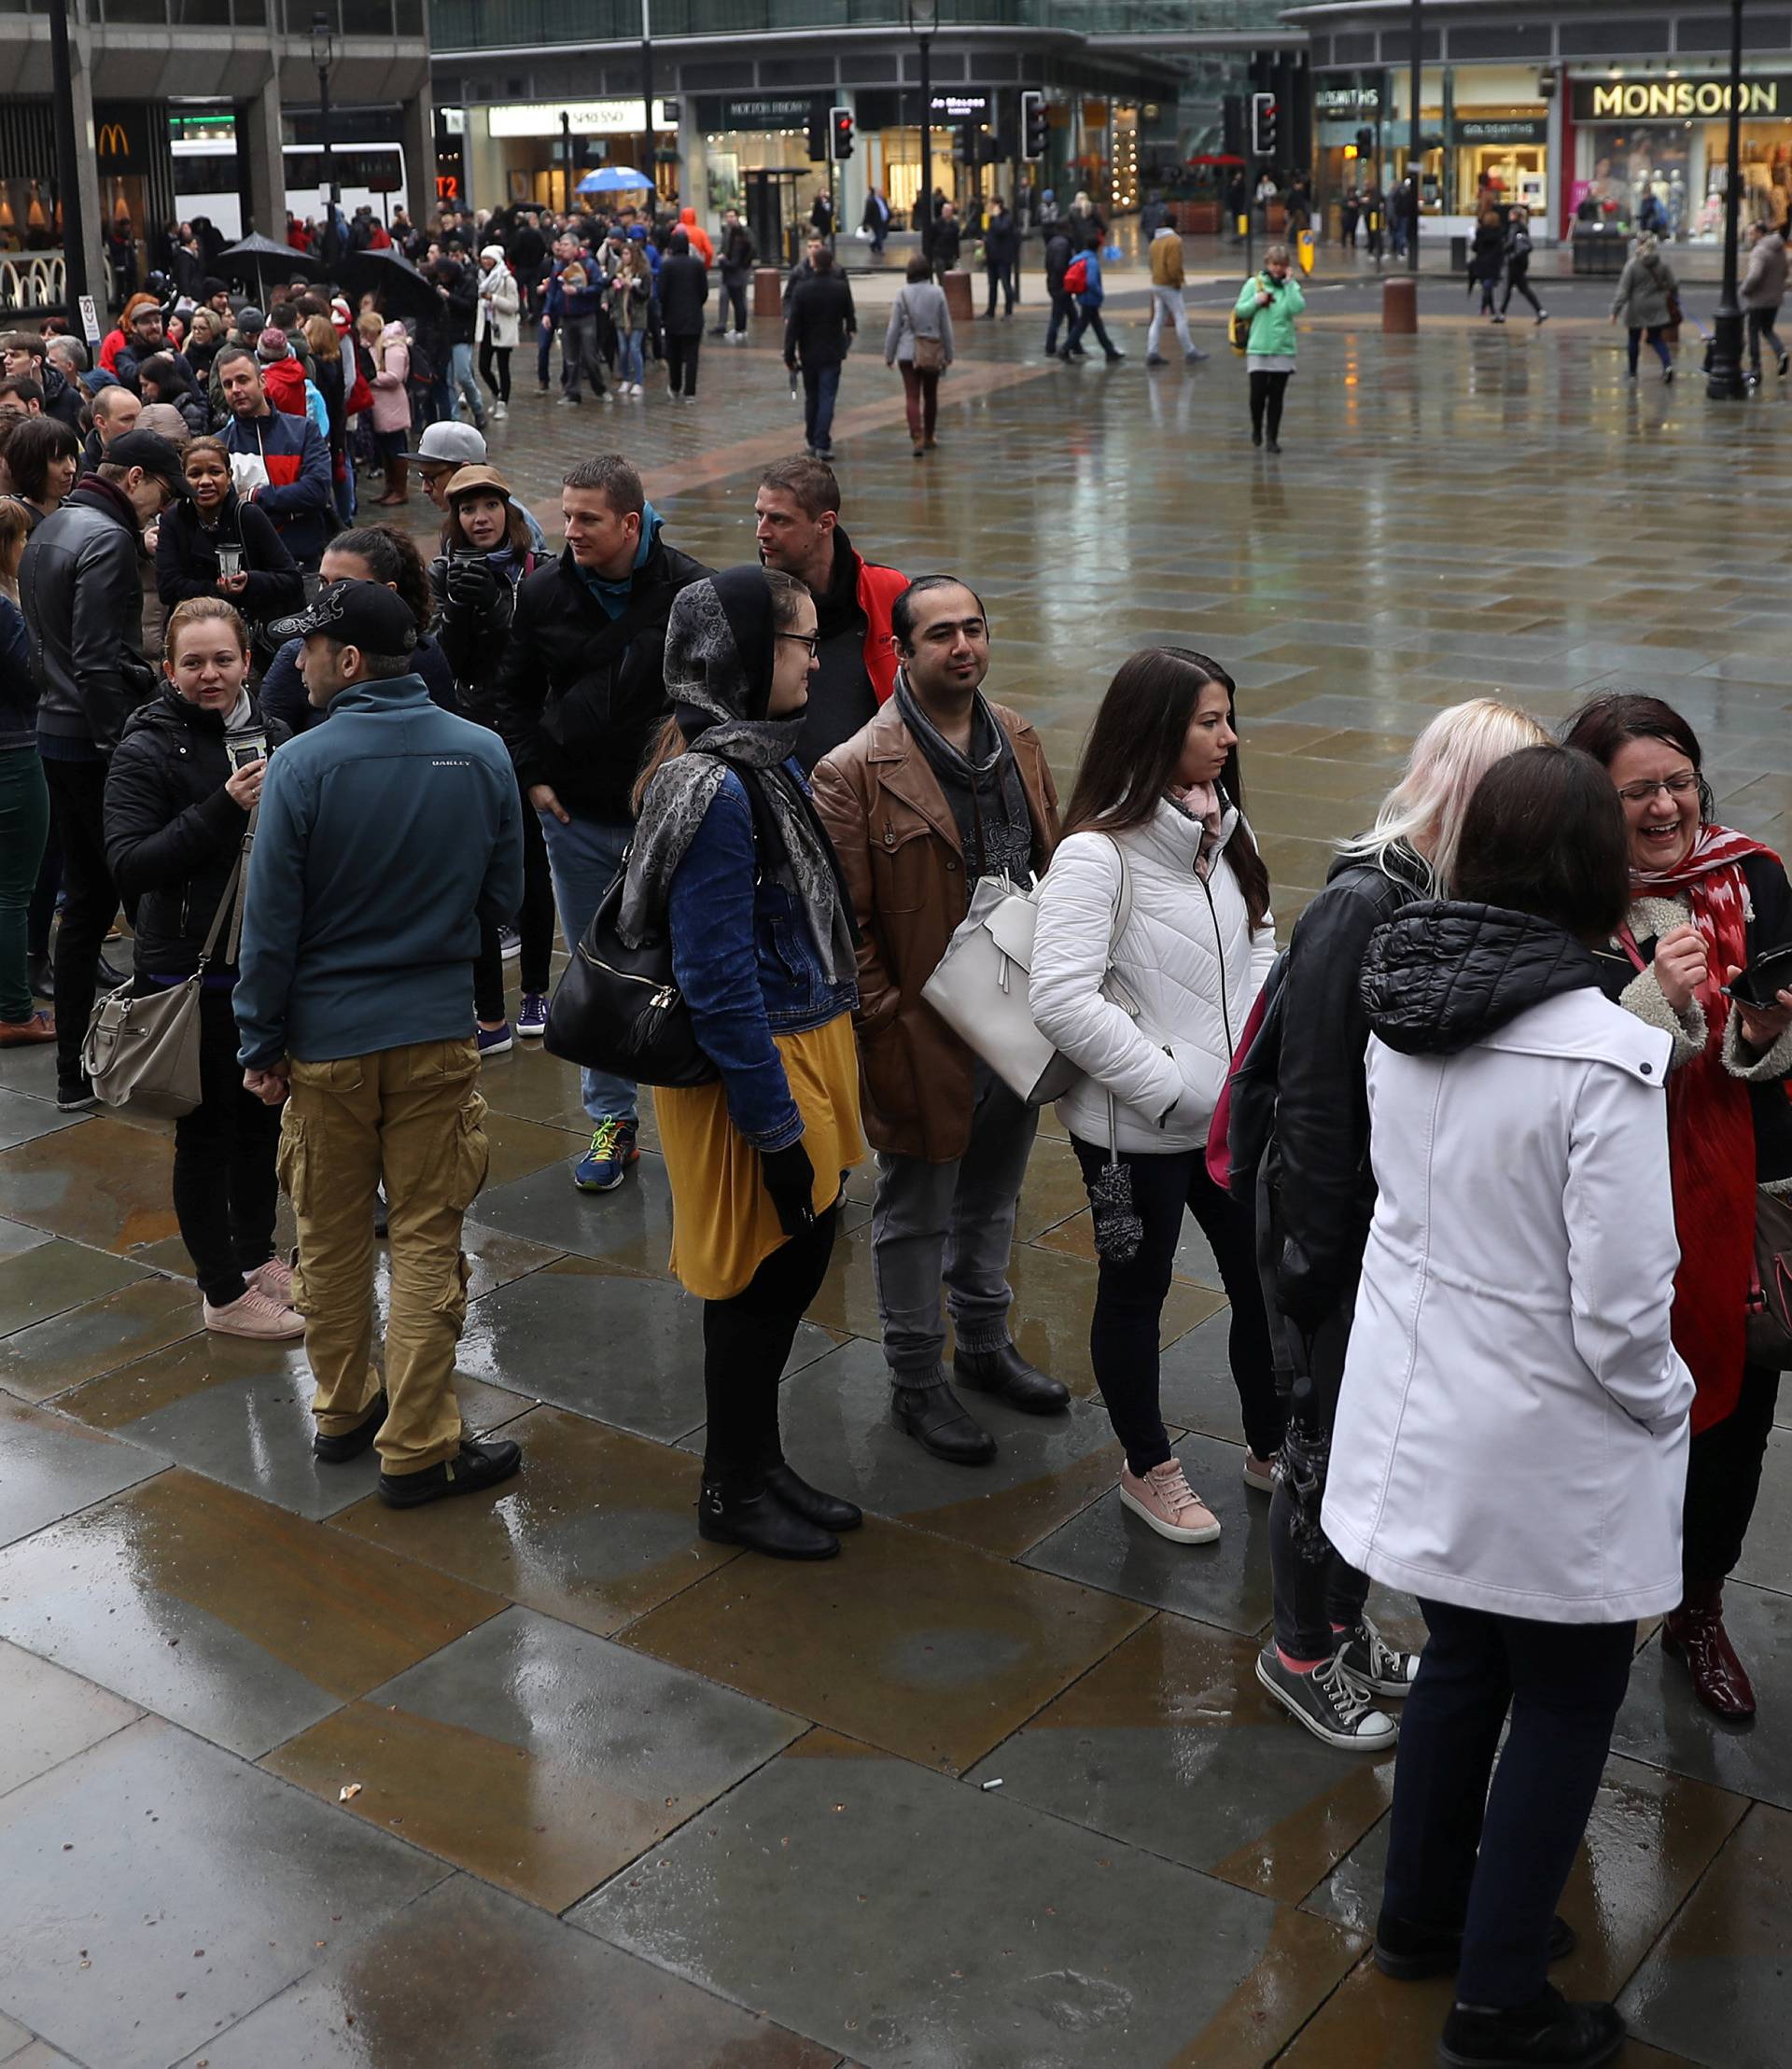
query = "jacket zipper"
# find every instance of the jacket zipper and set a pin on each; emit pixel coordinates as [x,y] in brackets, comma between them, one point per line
[1219,948]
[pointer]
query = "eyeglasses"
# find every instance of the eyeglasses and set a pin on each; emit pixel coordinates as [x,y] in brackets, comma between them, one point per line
[812,640]
[1676,786]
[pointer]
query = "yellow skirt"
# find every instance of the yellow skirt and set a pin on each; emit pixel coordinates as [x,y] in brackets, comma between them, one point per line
[723,1224]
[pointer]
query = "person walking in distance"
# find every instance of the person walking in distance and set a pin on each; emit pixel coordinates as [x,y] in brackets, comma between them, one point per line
[942,789]
[736,260]
[500,303]
[1157,891]
[385,838]
[579,696]
[1518,267]
[732,865]
[1166,279]
[1057,262]
[1645,301]
[920,343]
[1083,283]
[1271,299]
[1762,291]
[1001,256]
[684,287]
[818,335]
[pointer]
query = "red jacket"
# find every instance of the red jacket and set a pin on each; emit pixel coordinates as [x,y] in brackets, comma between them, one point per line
[285,381]
[878,589]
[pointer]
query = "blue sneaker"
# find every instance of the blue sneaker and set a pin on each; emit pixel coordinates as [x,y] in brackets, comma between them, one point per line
[532,1019]
[604,1165]
[493,1041]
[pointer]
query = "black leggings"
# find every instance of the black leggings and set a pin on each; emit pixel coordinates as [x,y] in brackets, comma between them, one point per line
[1267,391]
[1518,281]
[746,1343]
[1724,1477]
[501,355]
[535,921]
[224,1187]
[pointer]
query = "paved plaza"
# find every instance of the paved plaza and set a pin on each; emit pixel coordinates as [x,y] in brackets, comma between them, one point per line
[292,1781]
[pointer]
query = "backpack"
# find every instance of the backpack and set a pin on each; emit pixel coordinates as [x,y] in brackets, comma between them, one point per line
[1076,276]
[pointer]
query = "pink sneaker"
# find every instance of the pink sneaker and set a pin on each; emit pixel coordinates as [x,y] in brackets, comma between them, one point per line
[1165,1500]
[275,1278]
[255,1315]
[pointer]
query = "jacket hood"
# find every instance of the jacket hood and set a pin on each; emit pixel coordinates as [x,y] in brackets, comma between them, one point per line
[168,712]
[1443,977]
[394,328]
[1400,865]
[1166,230]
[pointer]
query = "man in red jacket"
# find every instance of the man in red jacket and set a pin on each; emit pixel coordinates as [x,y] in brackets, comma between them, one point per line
[797,523]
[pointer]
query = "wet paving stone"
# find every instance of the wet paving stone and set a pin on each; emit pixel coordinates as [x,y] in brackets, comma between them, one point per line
[628,1350]
[1767,1551]
[903,1967]
[16,1238]
[158,1890]
[50,1467]
[49,1278]
[222,1613]
[102,1184]
[598,1528]
[24,1118]
[511,1987]
[924,1647]
[1194,1387]
[535,1756]
[631,1226]
[1170,1744]
[145,1315]
[47,1715]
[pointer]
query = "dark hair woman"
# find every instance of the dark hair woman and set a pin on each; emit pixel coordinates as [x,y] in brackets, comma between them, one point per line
[730,860]
[484,555]
[1705,902]
[216,545]
[177,805]
[43,459]
[1156,892]
[1511,1435]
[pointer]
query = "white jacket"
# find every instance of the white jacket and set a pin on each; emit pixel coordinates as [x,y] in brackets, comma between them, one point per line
[1188,958]
[1512,1429]
[499,300]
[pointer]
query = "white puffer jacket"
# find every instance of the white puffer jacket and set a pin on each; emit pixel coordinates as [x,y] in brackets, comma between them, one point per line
[1188,958]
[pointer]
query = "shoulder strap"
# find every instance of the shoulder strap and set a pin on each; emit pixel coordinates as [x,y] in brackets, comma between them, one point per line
[1123,902]
[231,905]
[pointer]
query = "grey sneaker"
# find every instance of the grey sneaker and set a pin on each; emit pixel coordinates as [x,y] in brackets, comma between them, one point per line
[1376,1666]
[1328,1702]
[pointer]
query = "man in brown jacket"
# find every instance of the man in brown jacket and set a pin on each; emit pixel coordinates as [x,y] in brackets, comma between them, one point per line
[941,788]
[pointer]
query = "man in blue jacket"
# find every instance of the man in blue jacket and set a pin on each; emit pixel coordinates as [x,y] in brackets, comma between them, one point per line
[296,492]
[1088,300]
[384,839]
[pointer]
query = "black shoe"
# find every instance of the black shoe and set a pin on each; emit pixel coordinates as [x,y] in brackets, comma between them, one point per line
[42,975]
[108,976]
[1256,438]
[827,1511]
[1005,1373]
[339,1450]
[1547,2031]
[1410,1953]
[1275,445]
[381,1228]
[940,1423]
[76,1096]
[481,1462]
[760,1522]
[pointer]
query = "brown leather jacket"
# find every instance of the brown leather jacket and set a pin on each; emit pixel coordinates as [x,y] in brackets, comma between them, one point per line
[899,849]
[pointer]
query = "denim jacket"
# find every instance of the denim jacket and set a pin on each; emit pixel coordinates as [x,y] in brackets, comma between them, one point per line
[747,966]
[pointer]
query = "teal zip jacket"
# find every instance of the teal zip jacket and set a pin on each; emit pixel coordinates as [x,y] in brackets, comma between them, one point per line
[385,838]
[1272,328]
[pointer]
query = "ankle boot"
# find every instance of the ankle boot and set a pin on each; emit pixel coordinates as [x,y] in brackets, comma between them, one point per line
[745,1512]
[1006,1374]
[827,1511]
[1695,1632]
[940,1423]
[398,483]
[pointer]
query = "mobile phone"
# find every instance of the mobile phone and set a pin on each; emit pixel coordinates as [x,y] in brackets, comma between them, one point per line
[1765,978]
[244,748]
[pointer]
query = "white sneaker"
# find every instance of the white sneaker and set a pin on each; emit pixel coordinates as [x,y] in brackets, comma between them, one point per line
[255,1315]
[1164,1498]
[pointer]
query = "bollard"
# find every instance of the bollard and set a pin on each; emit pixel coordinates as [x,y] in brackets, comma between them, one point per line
[1399,307]
[958,296]
[768,292]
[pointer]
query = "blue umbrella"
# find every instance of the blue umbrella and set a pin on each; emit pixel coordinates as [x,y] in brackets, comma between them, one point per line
[611,179]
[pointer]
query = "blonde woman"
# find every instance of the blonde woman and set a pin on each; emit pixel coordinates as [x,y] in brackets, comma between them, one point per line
[1315,1196]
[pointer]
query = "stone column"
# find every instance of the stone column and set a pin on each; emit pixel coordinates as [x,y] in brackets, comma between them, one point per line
[417,133]
[93,218]
[259,139]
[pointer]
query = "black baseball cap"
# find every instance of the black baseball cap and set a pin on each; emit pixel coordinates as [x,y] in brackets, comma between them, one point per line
[151,452]
[366,615]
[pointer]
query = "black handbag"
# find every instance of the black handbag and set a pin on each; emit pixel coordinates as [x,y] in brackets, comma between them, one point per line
[620,1009]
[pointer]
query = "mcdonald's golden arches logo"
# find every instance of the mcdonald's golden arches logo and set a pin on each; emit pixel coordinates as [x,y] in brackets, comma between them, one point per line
[113,142]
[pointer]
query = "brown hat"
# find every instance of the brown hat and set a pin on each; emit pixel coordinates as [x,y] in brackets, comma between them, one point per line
[466,480]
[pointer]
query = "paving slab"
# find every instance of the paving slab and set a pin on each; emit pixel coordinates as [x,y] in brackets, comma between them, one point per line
[47,1715]
[104,1184]
[631,1226]
[51,1466]
[49,1278]
[142,1316]
[24,1118]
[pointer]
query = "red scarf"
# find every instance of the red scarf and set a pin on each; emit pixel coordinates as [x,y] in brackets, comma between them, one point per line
[1711,1131]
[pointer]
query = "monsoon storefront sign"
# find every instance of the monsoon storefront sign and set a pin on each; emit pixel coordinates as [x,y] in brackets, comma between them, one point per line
[1656,100]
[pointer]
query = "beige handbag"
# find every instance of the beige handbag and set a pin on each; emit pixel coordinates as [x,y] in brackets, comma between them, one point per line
[146,1050]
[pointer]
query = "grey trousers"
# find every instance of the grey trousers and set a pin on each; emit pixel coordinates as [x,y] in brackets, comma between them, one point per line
[952,1222]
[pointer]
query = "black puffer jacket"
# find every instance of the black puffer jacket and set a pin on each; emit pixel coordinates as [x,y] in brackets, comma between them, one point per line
[187,560]
[1444,976]
[172,832]
[1322,1188]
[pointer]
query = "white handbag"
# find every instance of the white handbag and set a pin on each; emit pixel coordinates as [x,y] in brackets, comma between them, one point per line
[980,985]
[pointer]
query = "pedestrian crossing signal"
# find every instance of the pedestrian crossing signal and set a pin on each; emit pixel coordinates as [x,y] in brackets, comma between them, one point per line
[842,133]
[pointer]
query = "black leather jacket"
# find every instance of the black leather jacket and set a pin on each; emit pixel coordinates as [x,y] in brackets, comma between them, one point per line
[81,590]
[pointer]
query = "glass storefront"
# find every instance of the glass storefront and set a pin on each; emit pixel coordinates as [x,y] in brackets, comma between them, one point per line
[1670,139]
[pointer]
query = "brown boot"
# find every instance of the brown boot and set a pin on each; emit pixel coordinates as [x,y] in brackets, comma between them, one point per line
[398,483]
[1695,1632]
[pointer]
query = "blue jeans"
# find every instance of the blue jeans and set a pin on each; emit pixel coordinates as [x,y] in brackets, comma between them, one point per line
[584,857]
[462,382]
[628,356]
[820,385]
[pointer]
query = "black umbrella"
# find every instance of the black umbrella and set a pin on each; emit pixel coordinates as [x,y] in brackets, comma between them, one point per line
[389,275]
[262,259]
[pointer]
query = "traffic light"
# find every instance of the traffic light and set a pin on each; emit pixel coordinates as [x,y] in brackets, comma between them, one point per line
[841,120]
[1032,124]
[1264,124]
[1365,143]
[818,141]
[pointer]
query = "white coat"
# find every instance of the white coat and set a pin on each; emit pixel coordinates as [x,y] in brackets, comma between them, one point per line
[499,302]
[1188,958]
[1512,1427]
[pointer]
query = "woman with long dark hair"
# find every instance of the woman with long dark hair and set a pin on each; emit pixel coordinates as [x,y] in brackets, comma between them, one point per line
[732,861]
[1705,901]
[1156,892]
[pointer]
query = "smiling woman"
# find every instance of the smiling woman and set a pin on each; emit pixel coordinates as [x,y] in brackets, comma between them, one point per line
[1706,903]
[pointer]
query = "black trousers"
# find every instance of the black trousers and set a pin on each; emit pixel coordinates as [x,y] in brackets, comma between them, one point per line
[1494,1864]
[1724,1477]
[1001,280]
[225,1189]
[1130,1300]
[89,901]
[733,303]
[746,1343]
[1086,319]
[1063,311]
[489,354]
[43,899]
[1266,393]
[1760,325]
[534,922]
[1518,281]
[681,363]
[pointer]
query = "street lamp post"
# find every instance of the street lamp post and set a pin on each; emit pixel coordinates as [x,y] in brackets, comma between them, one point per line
[1724,377]
[649,166]
[923,19]
[1413,152]
[67,175]
[323,55]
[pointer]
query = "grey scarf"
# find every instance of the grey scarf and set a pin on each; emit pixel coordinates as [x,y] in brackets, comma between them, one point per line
[719,650]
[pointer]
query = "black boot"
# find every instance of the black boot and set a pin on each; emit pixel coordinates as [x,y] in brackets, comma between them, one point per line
[340,1450]
[940,1423]
[827,1511]
[1547,2031]
[748,1512]
[1409,1954]
[1008,1376]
